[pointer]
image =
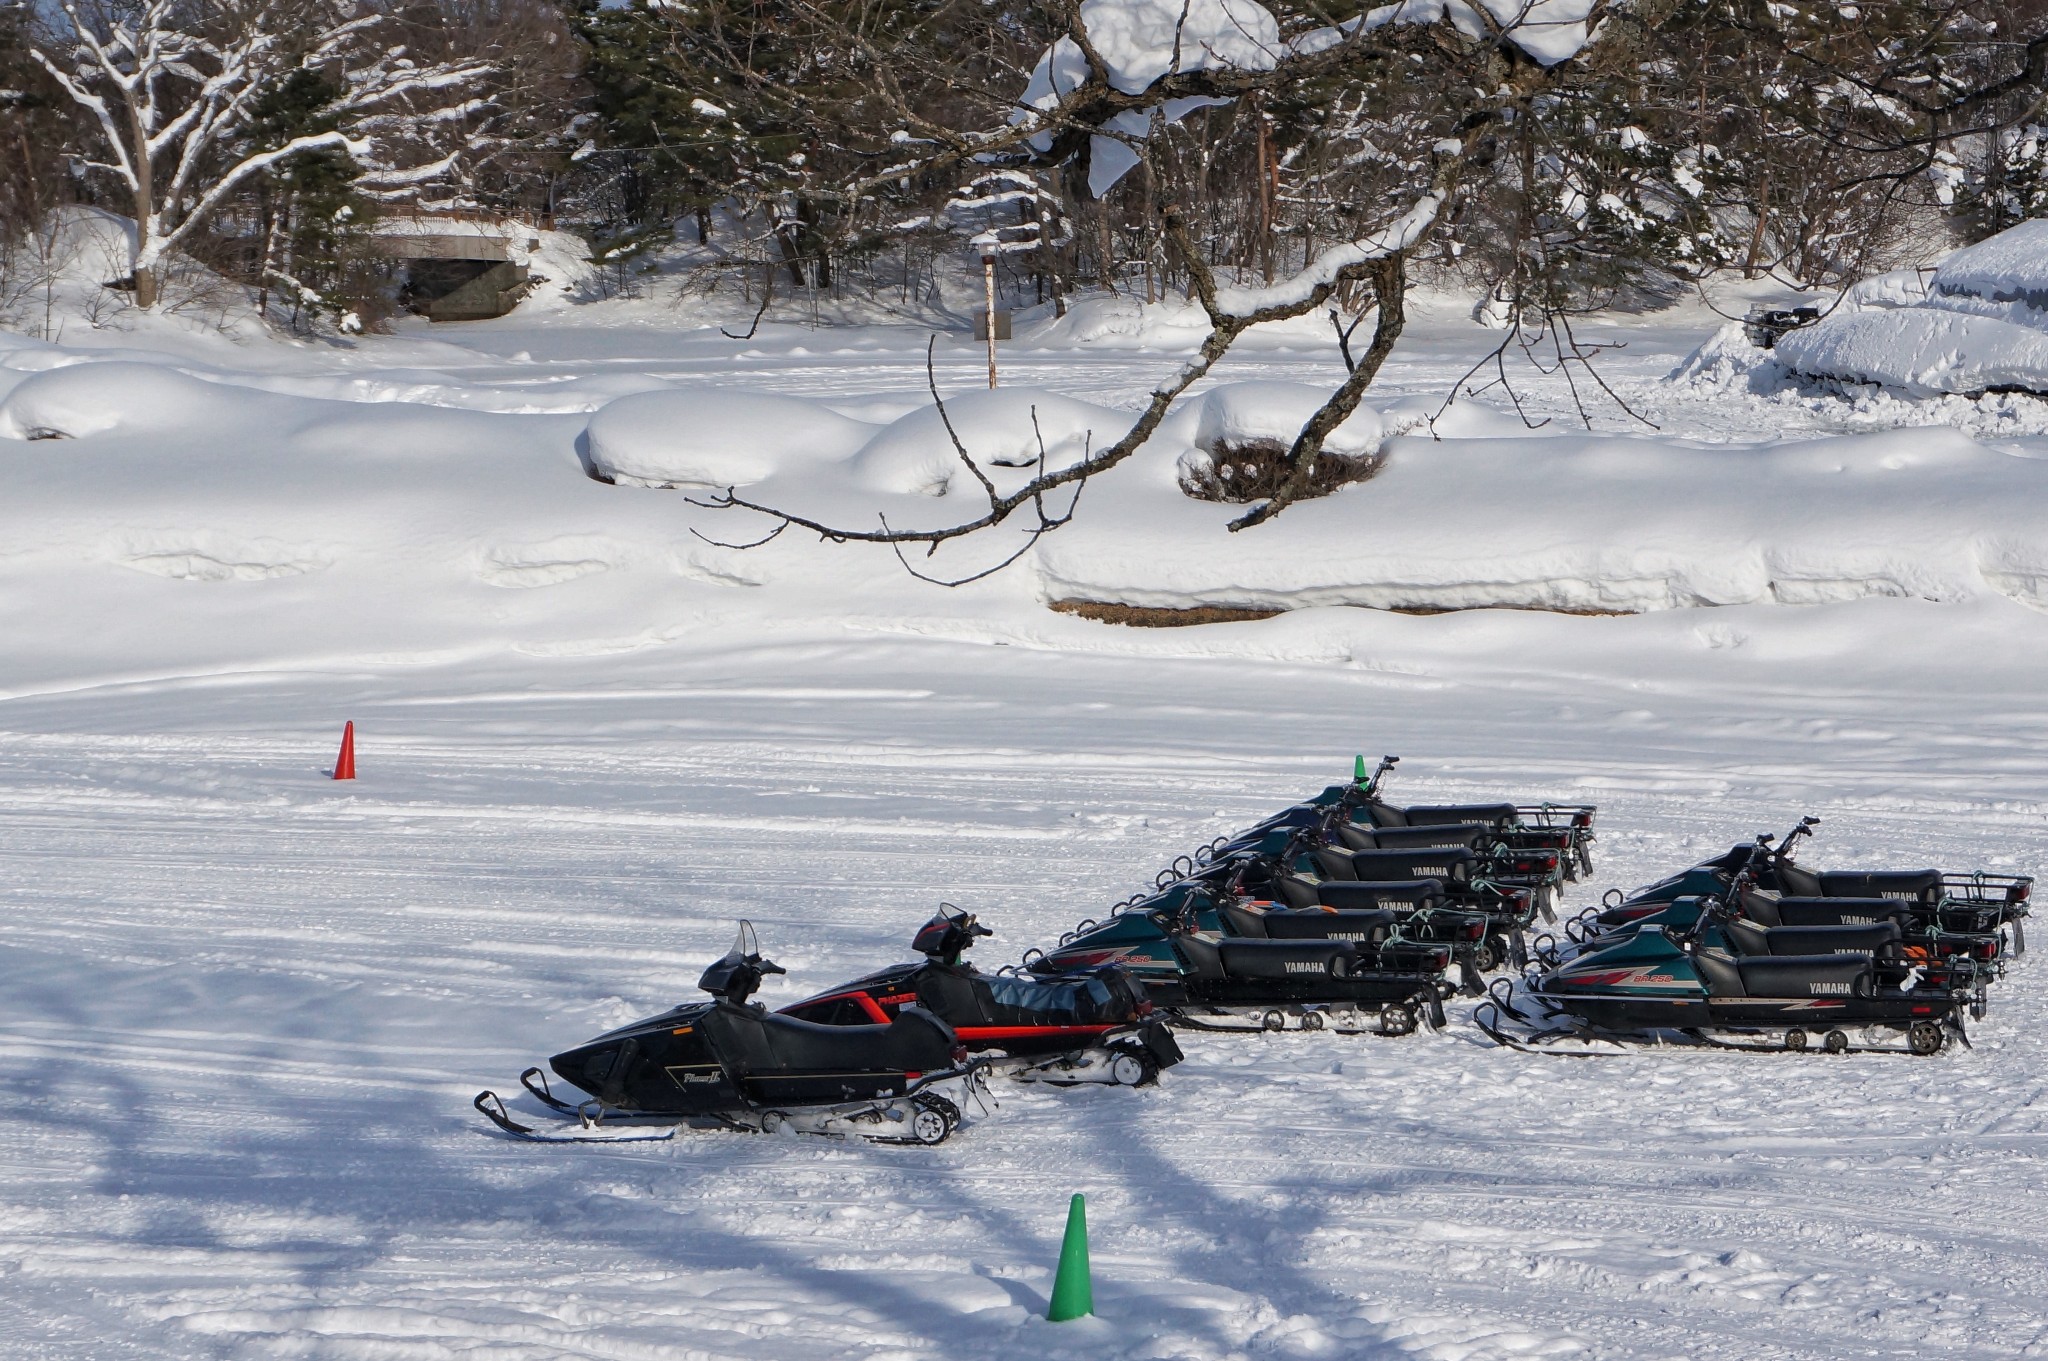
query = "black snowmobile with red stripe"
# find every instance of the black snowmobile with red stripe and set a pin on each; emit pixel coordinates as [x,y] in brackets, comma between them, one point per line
[1082,1025]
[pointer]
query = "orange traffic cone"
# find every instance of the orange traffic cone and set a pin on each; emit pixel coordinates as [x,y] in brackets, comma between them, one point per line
[345,764]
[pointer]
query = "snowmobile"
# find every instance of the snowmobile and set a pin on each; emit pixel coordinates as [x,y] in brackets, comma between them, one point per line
[1093,1024]
[731,1064]
[1346,811]
[1212,958]
[1482,922]
[1477,870]
[1975,903]
[1921,938]
[1666,984]
[1451,878]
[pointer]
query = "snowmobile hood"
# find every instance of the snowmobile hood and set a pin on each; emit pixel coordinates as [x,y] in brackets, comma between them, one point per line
[895,978]
[1647,964]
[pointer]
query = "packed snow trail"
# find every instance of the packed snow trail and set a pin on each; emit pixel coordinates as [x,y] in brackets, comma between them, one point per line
[247,1006]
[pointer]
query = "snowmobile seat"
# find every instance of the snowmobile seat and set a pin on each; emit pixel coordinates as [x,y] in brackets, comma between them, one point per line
[1467,834]
[1332,863]
[764,1042]
[1295,891]
[1760,908]
[1841,911]
[1369,928]
[1796,882]
[1241,919]
[1877,938]
[1806,975]
[1405,895]
[1452,865]
[1377,814]
[1494,815]
[952,995]
[1720,973]
[1288,958]
[1922,886]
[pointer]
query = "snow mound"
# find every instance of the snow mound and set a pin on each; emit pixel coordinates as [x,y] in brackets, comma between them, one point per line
[1922,351]
[1981,325]
[1727,359]
[118,395]
[1001,429]
[1239,414]
[2011,267]
[715,437]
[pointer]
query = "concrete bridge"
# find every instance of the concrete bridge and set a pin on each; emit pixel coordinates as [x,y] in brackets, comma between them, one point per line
[459,266]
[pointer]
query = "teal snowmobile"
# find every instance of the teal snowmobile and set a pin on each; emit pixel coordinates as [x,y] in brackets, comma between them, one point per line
[1974,903]
[1356,816]
[1731,985]
[1919,931]
[1218,961]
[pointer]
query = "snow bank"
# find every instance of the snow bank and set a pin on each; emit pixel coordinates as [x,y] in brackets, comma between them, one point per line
[1593,524]
[714,437]
[1980,324]
[1922,351]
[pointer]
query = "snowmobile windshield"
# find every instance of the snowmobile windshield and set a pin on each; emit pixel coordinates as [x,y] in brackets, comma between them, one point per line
[1075,1001]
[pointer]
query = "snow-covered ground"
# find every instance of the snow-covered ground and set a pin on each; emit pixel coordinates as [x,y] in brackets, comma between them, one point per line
[246,1005]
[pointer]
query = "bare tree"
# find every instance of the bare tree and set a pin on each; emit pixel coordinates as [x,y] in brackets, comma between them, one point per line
[171,85]
[1457,74]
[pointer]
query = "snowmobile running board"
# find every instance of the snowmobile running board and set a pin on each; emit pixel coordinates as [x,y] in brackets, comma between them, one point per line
[1536,1041]
[1423,1009]
[654,1127]
[493,1109]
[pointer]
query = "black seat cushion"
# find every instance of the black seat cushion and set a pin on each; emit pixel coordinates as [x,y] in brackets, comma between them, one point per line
[1806,975]
[952,995]
[1353,837]
[1469,835]
[1842,911]
[1795,882]
[1721,975]
[758,1042]
[1368,928]
[1748,939]
[1332,862]
[1383,814]
[1492,814]
[1761,908]
[1241,920]
[1452,865]
[1287,958]
[1908,885]
[1407,895]
[1295,891]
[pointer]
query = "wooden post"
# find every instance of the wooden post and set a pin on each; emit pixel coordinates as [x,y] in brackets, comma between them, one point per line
[988,278]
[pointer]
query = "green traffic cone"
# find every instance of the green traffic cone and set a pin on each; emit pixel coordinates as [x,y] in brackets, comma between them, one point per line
[1072,1294]
[1358,775]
